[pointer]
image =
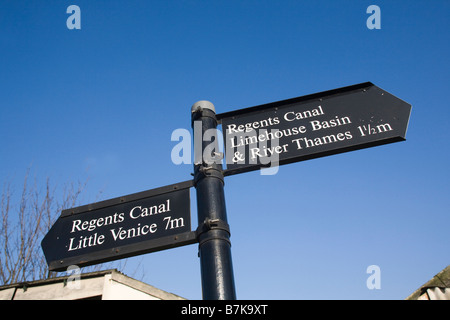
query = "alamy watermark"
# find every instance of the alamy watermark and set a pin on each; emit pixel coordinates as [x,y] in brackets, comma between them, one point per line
[374,280]
[374,20]
[261,147]
[74,20]
[74,280]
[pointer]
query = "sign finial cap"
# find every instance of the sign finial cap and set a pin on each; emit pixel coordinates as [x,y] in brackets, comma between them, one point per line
[202,104]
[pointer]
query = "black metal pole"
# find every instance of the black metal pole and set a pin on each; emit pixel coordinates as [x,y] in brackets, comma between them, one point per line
[213,232]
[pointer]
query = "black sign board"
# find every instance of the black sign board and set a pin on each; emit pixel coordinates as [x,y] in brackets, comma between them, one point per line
[139,223]
[312,126]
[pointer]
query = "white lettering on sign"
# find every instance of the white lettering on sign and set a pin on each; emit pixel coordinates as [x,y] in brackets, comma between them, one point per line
[292,116]
[266,141]
[78,225]
[138,211]
[118,232]
[122,234]
[85,241]
[232,128]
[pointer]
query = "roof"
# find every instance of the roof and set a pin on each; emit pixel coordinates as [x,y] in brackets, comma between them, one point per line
[105,285]
[437,288]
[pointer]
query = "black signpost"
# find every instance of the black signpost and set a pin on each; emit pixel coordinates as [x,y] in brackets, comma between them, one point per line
[213,231]
[312,126]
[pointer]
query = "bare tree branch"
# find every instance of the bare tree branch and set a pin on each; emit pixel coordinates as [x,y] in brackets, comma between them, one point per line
[23,226]
[25,220]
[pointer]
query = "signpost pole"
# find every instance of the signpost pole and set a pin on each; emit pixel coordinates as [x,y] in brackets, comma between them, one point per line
[213,232]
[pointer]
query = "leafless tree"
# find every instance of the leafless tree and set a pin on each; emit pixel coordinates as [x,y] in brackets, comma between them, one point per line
[25,219]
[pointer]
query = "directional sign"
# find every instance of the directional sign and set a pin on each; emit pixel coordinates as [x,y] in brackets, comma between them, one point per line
[312,126]
[122,227]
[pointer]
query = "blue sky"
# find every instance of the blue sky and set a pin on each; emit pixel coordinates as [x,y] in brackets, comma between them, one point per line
[102,103]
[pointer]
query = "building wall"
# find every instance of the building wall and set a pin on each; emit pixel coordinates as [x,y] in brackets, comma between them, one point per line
[105,285]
